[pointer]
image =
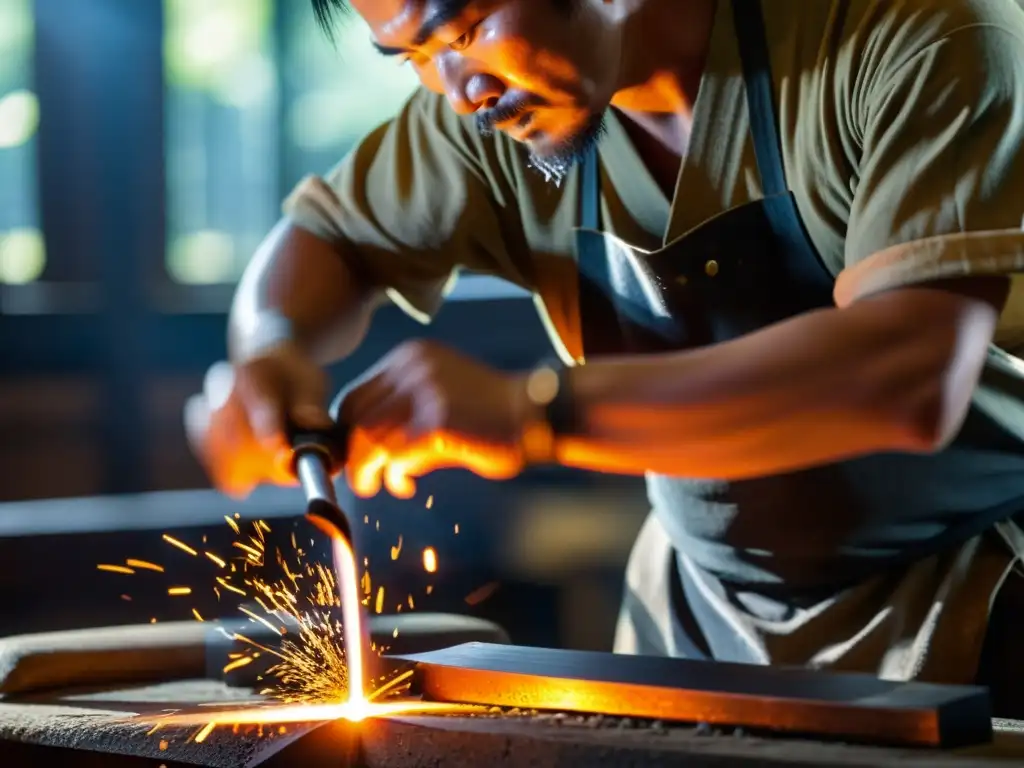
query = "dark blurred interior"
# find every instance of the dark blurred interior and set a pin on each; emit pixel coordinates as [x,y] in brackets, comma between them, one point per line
[145,148]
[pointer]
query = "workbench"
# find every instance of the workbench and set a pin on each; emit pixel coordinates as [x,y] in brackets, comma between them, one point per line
[88,728]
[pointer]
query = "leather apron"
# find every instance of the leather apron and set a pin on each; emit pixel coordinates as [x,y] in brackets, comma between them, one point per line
[836,596]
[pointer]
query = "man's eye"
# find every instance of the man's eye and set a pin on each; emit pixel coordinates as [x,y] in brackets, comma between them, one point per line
[462,42]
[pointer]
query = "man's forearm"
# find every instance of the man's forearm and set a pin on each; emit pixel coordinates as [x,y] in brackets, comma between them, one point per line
[894,373]
[298,288]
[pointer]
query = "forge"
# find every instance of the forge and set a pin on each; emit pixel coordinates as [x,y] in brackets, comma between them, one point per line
[534,707]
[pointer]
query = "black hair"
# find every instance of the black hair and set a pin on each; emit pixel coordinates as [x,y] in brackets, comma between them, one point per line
[327,11]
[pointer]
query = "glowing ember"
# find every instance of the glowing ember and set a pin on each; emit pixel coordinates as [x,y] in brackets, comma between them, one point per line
[429,560]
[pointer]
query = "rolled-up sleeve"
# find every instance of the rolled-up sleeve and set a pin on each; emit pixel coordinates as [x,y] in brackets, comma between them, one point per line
[416,200]
[940,186]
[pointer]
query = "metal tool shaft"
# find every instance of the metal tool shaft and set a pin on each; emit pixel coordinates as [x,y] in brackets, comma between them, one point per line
[315,456]
[313,470]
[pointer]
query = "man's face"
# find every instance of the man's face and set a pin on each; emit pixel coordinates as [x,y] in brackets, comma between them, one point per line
[542,71]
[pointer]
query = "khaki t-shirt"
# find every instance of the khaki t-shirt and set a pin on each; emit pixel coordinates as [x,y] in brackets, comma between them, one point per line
[900,120]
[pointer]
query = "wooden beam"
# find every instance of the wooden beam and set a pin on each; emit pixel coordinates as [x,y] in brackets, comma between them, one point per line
[852,707]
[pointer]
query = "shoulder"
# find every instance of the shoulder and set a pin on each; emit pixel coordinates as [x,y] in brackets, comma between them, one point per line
[887,36]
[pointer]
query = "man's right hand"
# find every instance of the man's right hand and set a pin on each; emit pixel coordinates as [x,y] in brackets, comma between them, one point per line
[236,427]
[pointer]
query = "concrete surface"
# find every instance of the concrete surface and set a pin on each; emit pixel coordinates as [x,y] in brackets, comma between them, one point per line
[75,729]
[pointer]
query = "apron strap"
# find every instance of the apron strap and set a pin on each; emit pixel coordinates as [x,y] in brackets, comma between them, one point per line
[757,75]
[590,191]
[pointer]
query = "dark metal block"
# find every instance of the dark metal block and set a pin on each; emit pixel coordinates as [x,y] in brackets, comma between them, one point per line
[849,706]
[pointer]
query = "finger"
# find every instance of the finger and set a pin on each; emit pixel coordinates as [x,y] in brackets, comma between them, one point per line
[261,389]
[365,465]
[441,451]
[197,425]
[227,475]
[307,399]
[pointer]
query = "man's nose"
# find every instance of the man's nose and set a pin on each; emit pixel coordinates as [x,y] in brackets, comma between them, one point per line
[468,91]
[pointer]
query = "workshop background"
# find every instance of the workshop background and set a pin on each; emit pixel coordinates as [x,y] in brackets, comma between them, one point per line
[145,148]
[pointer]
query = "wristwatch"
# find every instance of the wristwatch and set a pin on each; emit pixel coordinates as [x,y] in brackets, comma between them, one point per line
[549,393]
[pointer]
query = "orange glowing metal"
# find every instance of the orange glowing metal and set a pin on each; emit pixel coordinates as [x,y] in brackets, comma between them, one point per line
[379,605]
[397,549]
[280,714]
[179,591]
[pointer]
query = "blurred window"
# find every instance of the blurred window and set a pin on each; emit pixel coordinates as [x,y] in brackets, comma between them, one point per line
[22,248]
[256,99]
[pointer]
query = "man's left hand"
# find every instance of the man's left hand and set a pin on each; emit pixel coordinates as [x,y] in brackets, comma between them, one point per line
[425,407]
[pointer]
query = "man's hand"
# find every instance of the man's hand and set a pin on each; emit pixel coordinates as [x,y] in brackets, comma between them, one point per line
[425,407]
[236,427]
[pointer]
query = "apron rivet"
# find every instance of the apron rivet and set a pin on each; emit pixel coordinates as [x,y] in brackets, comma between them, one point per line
[711,268]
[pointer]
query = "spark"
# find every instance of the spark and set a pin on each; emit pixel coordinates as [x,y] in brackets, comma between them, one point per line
[221,563]
[480,594]
[250,551]
[310,677]
[179,544]
[237,663]
[430,560]
[114,569]
[207,730]
[126,598]
[456,529]
[430,501]
[260,619]
[230,587]
[144,565]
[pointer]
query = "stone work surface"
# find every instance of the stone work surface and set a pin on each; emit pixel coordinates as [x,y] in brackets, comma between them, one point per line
[65,727]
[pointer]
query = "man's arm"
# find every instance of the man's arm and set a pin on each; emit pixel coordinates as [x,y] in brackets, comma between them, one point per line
[942,138]
[821,387]
[299,288]
[376,228]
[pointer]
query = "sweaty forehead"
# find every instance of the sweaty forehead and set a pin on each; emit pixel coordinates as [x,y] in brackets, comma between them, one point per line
[390,19]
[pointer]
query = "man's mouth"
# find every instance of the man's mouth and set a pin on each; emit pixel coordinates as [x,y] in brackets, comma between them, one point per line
[510,118]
